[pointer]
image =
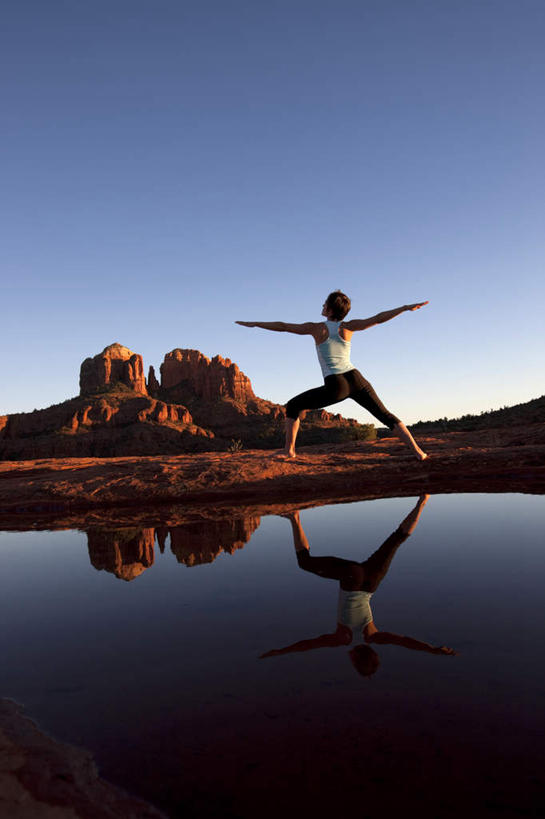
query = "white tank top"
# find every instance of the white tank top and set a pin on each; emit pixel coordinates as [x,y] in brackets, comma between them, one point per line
[354,608]
[334,352]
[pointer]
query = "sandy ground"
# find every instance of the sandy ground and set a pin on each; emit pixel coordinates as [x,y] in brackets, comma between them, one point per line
[72,490]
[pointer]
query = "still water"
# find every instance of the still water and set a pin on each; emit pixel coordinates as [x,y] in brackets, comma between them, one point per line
[215,670]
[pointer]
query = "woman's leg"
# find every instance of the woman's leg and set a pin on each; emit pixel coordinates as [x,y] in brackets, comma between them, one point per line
[292,428]
[335,389]
[363,394]
[376,566]
[333,568]
[402,432]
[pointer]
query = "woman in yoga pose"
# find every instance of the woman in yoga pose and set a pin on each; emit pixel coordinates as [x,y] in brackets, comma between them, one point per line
[357,584]
[341,380]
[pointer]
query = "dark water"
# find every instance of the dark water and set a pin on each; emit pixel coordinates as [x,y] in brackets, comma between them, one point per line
[162,677]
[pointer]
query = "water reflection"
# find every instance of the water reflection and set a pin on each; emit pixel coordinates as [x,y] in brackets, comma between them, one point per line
[124,552]
[127,553]
[176,705]
[358,581]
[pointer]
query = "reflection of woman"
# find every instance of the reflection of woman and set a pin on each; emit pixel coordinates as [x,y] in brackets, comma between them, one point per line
[341,380]
[357,584]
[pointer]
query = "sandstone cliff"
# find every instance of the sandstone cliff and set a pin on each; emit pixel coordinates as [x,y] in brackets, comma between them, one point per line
[117,422]
[115,364]
[220,397]
[208,379]
[200,404]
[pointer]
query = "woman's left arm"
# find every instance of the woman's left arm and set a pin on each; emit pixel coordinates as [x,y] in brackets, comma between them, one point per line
[380,318]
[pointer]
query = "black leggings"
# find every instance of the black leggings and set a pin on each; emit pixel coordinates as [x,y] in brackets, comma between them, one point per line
[364,576]
[338,387]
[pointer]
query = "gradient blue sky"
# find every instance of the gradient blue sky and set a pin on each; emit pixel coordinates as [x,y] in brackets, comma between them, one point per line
[169,167]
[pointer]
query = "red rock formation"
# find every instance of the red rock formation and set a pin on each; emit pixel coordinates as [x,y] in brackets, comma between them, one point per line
[114,364]
[114,423]
[209,379]
[201,404]
[153,384]
[197,543]
[124,552]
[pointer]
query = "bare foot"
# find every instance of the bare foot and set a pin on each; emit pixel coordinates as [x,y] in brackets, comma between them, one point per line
[289,515]
[422,455]
[283,455]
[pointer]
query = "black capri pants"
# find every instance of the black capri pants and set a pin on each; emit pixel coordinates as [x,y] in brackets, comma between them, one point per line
[338,387]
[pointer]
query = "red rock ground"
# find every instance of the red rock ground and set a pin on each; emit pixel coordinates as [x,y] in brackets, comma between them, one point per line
[73,490]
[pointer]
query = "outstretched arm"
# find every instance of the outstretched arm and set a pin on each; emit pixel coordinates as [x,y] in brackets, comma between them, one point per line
[306,329]
[391,639]
[380,318]
[341,637]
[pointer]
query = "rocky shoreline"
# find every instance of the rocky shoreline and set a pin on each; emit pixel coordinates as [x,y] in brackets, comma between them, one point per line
[41,778]
[64,491]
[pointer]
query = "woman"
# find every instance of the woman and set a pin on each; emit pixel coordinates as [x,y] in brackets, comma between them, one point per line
[341,379]
[357,584]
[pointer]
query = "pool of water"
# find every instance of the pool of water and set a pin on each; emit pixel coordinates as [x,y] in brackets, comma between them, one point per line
[147,646]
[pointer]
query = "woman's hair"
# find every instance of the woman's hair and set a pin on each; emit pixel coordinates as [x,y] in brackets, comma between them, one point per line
[338,305]
[365,660]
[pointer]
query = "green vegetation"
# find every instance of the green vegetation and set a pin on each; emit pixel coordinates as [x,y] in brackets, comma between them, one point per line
[236,445]
[531,412]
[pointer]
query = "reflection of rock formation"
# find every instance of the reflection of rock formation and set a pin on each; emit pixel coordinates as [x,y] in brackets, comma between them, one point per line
[114,364]
[124,552]
[202,542]
[129,552]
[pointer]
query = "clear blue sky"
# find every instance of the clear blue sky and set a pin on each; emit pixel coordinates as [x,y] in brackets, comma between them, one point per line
[169,167]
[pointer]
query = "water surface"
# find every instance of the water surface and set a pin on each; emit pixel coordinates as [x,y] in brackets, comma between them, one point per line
[146,647]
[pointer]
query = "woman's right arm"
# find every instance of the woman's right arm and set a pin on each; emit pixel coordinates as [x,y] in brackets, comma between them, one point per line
[307,329]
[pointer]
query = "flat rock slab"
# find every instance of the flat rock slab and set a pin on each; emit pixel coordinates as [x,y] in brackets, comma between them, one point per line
[504,460]
[44,779]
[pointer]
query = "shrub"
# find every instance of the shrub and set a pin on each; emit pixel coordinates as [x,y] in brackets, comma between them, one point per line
[235,446]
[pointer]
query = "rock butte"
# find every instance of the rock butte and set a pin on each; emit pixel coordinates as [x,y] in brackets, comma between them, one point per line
[115,364]
[199,404]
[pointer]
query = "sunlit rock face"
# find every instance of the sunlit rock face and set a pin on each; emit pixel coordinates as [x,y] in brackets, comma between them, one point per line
[197,543]
[123,552]
[115,364]
[120,422]
[201,404]
[208,379]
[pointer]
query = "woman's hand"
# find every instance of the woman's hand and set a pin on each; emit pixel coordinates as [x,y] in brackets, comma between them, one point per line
[246,323]
[417,306]
[444,650]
